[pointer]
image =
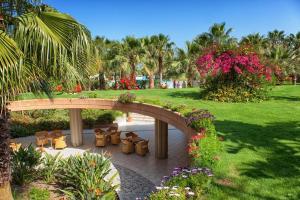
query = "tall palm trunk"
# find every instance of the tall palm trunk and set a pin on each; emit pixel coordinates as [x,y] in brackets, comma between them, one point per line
[160,69]
[295,79]
[133,73]
[190,77]
[5,190]
[151,81]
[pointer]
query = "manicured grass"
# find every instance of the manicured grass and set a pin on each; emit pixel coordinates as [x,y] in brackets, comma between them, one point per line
[262,140]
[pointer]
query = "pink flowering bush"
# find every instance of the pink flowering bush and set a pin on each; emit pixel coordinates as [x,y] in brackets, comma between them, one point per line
[233,75]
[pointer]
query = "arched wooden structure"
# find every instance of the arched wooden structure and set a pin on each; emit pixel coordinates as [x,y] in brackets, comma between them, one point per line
[162,116]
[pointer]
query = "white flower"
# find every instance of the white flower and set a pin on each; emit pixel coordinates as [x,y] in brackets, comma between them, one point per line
[174,194]
[174,187]
[191,193]
[158,188]
[187,188]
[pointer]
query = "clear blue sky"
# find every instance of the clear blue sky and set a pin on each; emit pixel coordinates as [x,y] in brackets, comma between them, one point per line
[181,19]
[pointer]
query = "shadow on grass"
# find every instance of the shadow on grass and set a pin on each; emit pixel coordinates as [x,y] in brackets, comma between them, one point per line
[186,94]
[285,98]
[277,143]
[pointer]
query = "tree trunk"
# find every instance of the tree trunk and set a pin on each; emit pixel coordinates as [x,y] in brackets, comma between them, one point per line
[5,176]
[133,74]
[5,191]
[101,81]
[151,81]
[160,69]
[295,79]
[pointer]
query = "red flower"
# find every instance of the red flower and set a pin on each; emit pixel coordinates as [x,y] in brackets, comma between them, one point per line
[59,88]
[78,88]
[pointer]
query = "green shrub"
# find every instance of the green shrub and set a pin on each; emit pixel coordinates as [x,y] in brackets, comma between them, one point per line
[94,117]
[19,130]
[127,98]
[24,165]
[168,105]
[178,108]
[50,165]
[82,177]
[27,123]
[200,119]
[168,193]
[92,95]
[38,194]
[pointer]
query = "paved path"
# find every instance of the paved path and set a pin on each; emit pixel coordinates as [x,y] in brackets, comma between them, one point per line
[133,185]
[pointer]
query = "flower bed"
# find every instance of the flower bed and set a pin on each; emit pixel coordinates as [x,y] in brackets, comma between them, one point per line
[184,183]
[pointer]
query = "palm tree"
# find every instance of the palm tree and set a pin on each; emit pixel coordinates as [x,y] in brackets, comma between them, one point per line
[186,60]
[255,40]
[164,51]
[131,52]
[292,43]
[217,35]
[275,37]
[149,60]
[49,43]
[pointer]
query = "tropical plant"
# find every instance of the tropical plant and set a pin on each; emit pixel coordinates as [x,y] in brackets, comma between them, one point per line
[149,61]
[50,165]
[217,35]
[130,54]
[24,165]
[257,41]
[164,52]
[84,177]
[186,60]
[45,43]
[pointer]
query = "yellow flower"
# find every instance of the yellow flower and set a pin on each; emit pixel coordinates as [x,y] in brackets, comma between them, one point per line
[98,192]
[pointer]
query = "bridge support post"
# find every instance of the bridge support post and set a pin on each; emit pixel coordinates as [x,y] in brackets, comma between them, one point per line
[76,127]
[161,139]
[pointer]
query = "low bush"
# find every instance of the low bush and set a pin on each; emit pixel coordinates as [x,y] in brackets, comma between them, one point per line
[38,194]
[83,177]
[24,165]
[127,98]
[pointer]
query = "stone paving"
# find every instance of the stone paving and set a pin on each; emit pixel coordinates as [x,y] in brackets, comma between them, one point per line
[133,185]
[138,174]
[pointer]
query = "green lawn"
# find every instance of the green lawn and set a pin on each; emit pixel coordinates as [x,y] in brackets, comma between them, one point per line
[262,140]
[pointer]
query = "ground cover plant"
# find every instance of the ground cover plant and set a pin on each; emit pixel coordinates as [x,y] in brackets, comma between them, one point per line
[261,155]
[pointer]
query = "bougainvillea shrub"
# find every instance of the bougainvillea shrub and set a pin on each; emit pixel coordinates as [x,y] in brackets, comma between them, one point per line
[233,75]
[205,147]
